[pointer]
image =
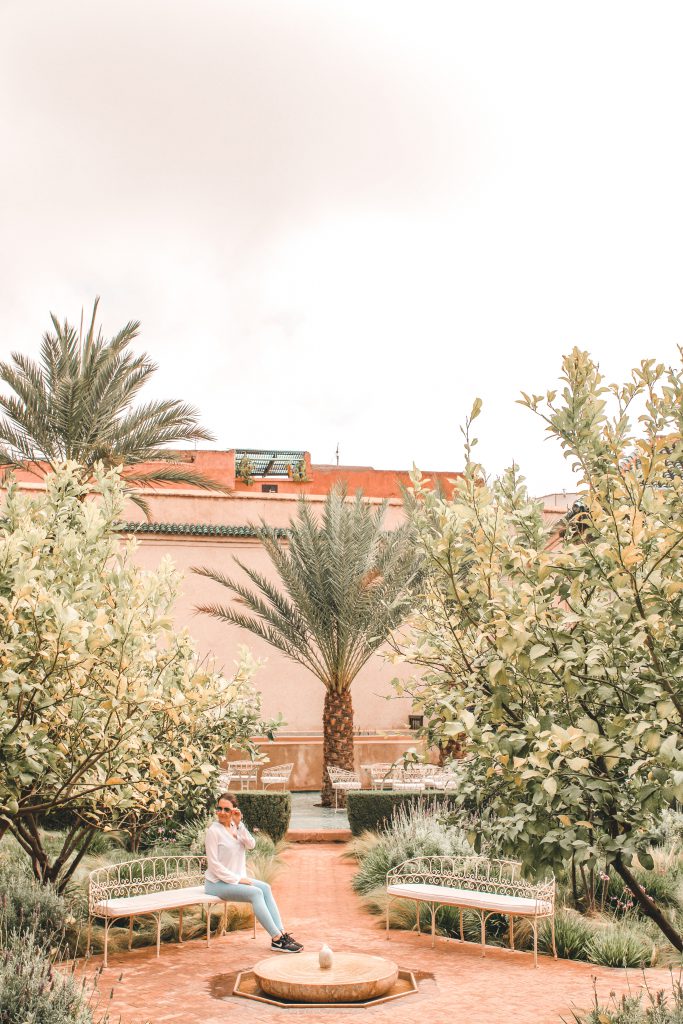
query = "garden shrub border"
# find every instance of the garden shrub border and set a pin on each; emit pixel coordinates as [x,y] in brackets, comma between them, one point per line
[370,810]
[268,810]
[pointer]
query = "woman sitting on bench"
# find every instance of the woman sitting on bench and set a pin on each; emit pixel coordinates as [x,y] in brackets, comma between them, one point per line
[227,842]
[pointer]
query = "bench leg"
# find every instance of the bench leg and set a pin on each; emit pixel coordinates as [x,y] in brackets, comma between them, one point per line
[130,932]
[462,930]
[535,927]
[433,909]
[180,925]
[386,929]
[158,918]
[512,932]
[417,915]
[106,941]
[88,938]
[253,923]
[483,934]
[552,932]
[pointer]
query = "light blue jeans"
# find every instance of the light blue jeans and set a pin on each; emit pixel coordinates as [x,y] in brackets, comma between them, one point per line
[259,894]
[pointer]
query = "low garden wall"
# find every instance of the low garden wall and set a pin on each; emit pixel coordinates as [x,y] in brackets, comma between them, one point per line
[306,753]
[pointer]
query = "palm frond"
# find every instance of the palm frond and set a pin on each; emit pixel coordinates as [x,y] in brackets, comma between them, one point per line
[174,473]
[76,402]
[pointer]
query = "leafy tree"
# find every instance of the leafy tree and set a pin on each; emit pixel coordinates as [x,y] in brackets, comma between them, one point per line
[77,405]
[344,585]
[105,710]
[559,657]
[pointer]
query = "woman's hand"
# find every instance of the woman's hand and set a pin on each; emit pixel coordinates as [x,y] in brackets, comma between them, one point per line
[245,881]
[236,816]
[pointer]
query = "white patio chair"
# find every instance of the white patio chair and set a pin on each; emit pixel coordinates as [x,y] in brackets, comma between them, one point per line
[381,775]
[342,781]
[409,780]
[277,775]
[244,772]
[441,778]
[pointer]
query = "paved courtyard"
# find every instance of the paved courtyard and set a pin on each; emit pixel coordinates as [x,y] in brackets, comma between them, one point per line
[309,816]
[191,985]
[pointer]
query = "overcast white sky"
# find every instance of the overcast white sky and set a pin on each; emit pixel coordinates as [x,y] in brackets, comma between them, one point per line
[341,220]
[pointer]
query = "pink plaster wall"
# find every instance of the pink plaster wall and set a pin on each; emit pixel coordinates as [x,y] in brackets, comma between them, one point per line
[286,686]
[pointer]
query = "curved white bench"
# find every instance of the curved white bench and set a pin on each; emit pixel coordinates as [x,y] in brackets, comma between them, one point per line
[150,886]
[473,883]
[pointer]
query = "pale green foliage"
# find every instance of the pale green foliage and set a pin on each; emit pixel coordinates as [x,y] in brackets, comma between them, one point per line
[26,905]
[31,990]
[104,707]
[560,663]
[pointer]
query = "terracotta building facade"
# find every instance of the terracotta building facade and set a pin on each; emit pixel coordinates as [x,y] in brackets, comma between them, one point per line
[210,528]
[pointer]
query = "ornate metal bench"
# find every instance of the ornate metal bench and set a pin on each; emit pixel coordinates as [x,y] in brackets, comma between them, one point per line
[149,886]
[473,883]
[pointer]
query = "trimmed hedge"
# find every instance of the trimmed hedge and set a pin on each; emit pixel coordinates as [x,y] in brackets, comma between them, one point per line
[267,810]
[370,810]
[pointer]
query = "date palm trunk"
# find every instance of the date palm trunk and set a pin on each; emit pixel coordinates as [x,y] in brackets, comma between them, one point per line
[337,739]
[450,750]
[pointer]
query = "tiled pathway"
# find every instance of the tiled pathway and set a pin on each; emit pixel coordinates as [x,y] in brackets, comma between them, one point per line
[190,984]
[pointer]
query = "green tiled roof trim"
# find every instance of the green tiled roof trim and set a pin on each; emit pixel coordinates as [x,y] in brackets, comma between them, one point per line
[193,529]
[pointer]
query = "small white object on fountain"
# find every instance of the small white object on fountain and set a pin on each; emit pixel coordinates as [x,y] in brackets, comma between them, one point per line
[325,958]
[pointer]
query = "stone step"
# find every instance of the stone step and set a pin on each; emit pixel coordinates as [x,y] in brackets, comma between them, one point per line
[323,835]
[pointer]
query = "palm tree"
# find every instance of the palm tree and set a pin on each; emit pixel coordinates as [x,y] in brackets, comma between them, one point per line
[76,404]
[345,584]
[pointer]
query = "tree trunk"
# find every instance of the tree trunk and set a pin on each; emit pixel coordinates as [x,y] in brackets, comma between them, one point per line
[648,906]
[337,740]
[450,750]
[134,836]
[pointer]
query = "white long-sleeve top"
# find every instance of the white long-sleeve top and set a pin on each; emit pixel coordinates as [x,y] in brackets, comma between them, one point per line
[226,852]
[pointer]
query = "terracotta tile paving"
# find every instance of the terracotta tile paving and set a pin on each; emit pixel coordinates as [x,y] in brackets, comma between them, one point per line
[190,984]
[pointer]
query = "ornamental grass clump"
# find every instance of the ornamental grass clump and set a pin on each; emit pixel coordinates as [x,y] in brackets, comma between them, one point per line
[620,945]
[415,831]
[573,932]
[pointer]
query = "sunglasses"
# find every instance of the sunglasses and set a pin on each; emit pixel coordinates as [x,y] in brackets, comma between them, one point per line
[228,810]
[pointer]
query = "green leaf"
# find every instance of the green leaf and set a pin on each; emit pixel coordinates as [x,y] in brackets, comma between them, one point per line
[550,785]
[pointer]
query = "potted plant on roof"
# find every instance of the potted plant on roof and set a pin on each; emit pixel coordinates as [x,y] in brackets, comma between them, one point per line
[298,472]
[245,470]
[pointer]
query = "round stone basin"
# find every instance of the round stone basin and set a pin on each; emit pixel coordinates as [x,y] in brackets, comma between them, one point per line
[353,977]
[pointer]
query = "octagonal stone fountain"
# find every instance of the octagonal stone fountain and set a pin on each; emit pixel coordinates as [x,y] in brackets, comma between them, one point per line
[354,979]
